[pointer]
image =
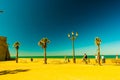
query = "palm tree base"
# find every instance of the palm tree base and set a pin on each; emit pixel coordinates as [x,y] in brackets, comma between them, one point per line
[45,63]
[99,64]
[74,60]
[16,61]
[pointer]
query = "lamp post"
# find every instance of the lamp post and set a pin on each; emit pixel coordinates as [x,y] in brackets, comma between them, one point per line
[73,37]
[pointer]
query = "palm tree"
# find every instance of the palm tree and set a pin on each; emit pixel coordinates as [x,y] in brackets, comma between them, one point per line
[43,43]
[16,45]
[97,42]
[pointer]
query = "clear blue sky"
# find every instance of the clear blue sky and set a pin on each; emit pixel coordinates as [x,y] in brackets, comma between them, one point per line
[27,21]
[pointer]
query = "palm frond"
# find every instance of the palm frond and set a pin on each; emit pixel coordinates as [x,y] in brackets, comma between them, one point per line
[16,44]
[43,42]
[97,41]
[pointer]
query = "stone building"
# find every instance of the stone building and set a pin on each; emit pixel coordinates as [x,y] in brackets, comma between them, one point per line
[4,52]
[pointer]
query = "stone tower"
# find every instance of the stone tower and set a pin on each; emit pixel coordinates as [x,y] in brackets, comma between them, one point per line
[4,52]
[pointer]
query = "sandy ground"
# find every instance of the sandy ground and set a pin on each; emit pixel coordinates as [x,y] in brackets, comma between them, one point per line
[56,69]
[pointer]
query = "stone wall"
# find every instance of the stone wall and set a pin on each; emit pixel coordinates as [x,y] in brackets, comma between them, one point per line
[4,52]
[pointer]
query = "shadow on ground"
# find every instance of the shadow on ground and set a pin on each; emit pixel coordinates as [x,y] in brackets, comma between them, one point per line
[13,71]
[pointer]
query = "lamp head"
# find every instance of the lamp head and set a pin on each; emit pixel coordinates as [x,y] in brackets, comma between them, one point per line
[69,35]
[72,33]
[76,33]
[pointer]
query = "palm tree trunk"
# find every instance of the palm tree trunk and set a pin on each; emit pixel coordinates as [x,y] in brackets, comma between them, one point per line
[17,56]
[45,59]
[99,54]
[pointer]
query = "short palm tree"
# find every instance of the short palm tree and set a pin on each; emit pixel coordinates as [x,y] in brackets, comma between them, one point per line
[97,42]
[43,43]
[16,45]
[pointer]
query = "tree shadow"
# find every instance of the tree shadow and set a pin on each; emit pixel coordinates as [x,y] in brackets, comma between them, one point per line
[13,71]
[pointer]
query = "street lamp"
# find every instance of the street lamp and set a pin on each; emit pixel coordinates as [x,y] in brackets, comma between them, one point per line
[73,37]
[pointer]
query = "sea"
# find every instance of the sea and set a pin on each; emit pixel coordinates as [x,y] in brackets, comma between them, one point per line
[80,56]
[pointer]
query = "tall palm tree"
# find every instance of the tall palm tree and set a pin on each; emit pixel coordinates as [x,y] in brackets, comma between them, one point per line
[16,45]
[43,43]
[97,42]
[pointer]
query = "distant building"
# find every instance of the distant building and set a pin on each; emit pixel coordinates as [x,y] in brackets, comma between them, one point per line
[4,52]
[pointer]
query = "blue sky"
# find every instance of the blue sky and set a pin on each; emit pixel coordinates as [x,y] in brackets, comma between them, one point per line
[27,21]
